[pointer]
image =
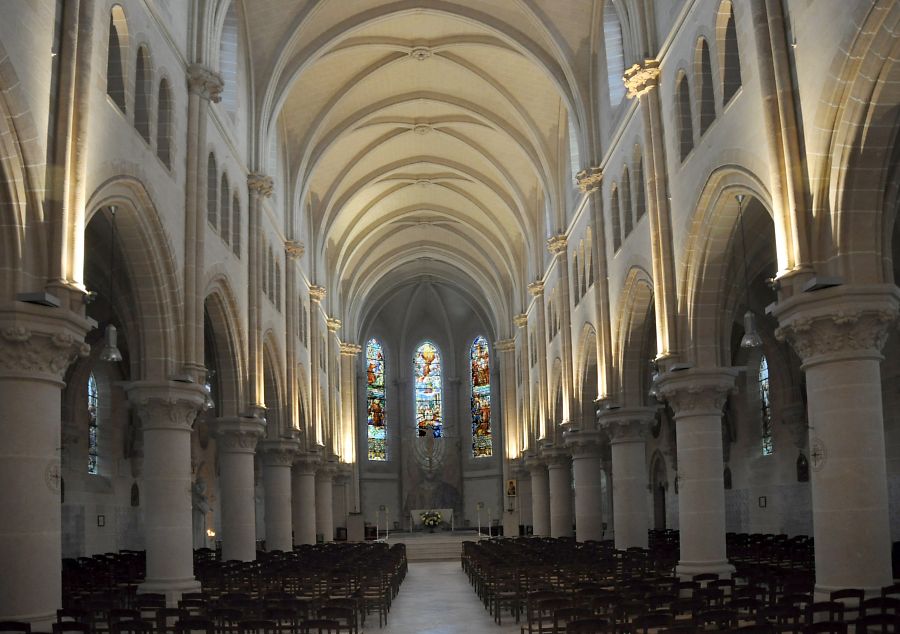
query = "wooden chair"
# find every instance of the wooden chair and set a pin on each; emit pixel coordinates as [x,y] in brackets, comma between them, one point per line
[257,626]
[826,627]
[15,627]
[880,623]
[319,626]
[191,625]
[167,620]
[134,626]
[71,627]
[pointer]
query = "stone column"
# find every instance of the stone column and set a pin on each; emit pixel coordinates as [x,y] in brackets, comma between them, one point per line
[540,496]
[587,467]
[528,439]
[537,291]
[36,348]
[167,410]
[349,420]
[559,247]
[260,187]
[643,82]
[293,251]
[278,456]
[697,397]
[627,429]
[303,498]
[316,297]
[332,376]
[559,468]
[236,440]
[839,334]
[324,500]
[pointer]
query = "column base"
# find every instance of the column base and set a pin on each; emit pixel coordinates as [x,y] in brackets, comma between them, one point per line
[687,569]
[823,593]
[172,588]
[39,622]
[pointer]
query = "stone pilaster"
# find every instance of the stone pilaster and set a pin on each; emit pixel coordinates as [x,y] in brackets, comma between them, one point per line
[278,458]
[303,497]
[316,297]
[536,289]
[349,427]
[559,470]
[587,468]
[236,440]
[325,499]
[540,495]
[558,246]
[167,410]
[37,345]
[839,334]
[528,439]
[697,397]
[627,431]
[293,251]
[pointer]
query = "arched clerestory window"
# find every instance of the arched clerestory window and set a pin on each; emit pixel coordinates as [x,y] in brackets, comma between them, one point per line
[639,200]
[480,365]
[164,124]
[615,53]
[376,423]
[142,89]
[614,216]
[765,407]
[93,407]
[683,116]
[225,209]
[704,82]
[428,391]
[228,61]
[212,192]
[116,52]
[727,46]
[627,218]
[236,225]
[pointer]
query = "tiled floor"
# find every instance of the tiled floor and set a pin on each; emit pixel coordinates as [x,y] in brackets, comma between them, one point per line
[436,598]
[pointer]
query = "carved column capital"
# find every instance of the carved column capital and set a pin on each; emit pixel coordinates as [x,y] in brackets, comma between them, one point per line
[627,425]
[557,457]
[536,288]
[167,405]
[205,82]
[589,179]
[260,184]
[278,453]
[306,462]
[505,345]
[317,293]
[697,392]
[640,80]
[838,323]
[557,244]
[239,434]
[350,349]
[533,462]
[520,320]
[333,324]
[40,346]
[294,249]
[585,444]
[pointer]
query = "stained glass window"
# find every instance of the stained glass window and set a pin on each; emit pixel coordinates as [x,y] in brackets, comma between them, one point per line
[428,390]
[765,408]
[375,400]
[482,443]
[93,400]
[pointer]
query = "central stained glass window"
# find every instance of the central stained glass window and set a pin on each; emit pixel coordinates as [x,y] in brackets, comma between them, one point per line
[480,357]
[427,370]
[375,400]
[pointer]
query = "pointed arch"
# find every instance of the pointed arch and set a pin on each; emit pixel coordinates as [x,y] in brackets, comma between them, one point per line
[614,217]
[639,198]
[636,340]
[273,385]
[614,43]
[225,209]
[228,60]
[627,212]
[684,120]
[222,312]
[236,225]
[212,192]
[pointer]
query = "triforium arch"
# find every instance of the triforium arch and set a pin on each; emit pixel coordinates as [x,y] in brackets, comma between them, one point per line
[713,240]
[222,314]
[148,261]
[636,337]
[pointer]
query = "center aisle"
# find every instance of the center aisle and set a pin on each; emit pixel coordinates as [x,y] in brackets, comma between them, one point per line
[436,598]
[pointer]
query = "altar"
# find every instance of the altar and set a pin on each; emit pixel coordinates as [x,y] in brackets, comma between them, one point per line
[415,517]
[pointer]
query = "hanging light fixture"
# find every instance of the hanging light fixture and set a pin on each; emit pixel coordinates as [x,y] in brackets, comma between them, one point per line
[751,338]
[111,352]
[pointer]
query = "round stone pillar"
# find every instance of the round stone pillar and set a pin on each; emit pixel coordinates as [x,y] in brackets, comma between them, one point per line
[559,469]
[325,501]
[587,469]
[278,456]
[303,498]
[540,496]
[236,440]
[697,397]
[167,410]
[839,334]
[35,351]
[627,429]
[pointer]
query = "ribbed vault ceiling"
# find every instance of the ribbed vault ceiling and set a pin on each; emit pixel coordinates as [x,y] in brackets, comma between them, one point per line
[423,136]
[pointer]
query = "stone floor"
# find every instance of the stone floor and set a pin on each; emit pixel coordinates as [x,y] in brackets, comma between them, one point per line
[436,598]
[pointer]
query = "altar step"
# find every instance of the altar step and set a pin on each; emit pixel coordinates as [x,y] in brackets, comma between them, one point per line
[433,547]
